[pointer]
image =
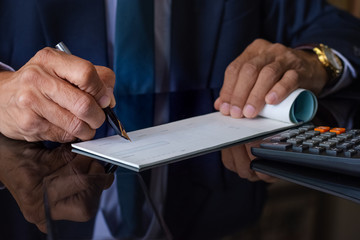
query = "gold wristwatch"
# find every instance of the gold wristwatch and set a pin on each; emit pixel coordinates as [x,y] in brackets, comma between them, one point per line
[331,62]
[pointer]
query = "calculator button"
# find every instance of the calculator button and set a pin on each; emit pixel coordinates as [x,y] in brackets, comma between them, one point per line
[322,129]
[354,131]
[300,148]
[336,140]
[294,141]
[350,152]
[307,127]
[346,136]
[303,137]
[345,145]
[316,149]
[311,143]
[320,138]
[288,134]
[357,148]
[296,131]
[329,134]
[333,151]
[312,133]
[355,140]
[338,130]
[278,139]
[327,144]
[276,145]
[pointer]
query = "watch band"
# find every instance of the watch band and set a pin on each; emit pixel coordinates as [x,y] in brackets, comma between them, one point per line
[330,61]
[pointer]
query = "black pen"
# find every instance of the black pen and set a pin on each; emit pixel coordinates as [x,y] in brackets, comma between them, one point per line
[109,113]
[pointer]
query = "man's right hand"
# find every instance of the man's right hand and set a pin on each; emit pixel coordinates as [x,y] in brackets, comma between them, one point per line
[56,97]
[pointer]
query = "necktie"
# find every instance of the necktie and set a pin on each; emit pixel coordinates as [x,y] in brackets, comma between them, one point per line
[134,63]
[134,87]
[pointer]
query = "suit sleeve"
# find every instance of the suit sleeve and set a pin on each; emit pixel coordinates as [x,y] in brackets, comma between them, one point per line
[298,22]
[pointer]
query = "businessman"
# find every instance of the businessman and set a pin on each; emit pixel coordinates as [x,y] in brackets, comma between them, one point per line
[257,52]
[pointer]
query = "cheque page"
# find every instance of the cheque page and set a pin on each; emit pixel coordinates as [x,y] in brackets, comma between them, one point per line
[180,139]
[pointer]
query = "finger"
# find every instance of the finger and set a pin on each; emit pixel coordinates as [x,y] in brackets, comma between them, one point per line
[75,197]
[232,74]
[217,103]
[108,77]
[53,133]
[246,81]
[97,169]
[54,158]
[79,103]
[109,181]
[85,165]
[242,162]
[75,70]
[42,226]
[70,124]
[58,134]
[227,159]
[287,84]
[233,69]
[31,127]
[259,175]
[268,76]
[266,178]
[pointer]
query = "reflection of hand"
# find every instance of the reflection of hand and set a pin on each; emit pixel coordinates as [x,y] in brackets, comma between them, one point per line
[238,158]
[73,182]
[267,73]
[56,97]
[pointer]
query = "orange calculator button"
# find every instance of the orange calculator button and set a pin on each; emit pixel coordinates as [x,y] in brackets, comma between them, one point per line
[322,129]
[338,130]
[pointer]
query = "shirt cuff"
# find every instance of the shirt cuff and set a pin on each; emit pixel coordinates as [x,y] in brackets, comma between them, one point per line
[5,67]
[348,74]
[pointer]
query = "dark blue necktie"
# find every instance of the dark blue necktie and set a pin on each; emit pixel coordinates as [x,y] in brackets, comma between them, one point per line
[134,63]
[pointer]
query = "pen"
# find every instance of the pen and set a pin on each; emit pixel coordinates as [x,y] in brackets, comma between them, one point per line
[109,113]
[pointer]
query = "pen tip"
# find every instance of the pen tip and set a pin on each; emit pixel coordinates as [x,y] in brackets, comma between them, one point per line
[123,132]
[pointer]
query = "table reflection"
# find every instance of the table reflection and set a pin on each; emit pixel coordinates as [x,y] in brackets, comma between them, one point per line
[74,183]
[189,200]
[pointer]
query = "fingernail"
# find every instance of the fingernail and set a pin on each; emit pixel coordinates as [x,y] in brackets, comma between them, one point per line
[249,111]
[104,101]
[235,112]
[271,98]
[225,108]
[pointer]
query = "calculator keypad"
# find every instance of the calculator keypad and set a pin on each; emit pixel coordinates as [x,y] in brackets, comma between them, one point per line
[317,140]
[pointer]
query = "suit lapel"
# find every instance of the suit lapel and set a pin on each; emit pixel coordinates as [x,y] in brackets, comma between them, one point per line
[79,24]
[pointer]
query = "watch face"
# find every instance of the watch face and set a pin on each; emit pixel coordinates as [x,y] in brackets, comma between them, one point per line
[333,59]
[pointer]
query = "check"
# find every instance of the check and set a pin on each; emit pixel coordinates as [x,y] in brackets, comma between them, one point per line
[178,140]
[198,135]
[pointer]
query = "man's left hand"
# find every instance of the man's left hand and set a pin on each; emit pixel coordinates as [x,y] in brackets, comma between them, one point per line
[267,73]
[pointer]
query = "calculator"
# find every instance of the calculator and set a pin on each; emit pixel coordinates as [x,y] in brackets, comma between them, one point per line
[327,148]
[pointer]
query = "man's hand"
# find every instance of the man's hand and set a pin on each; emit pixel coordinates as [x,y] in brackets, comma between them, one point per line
[56,97]
[73,183]
[267,73]
[238,159]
